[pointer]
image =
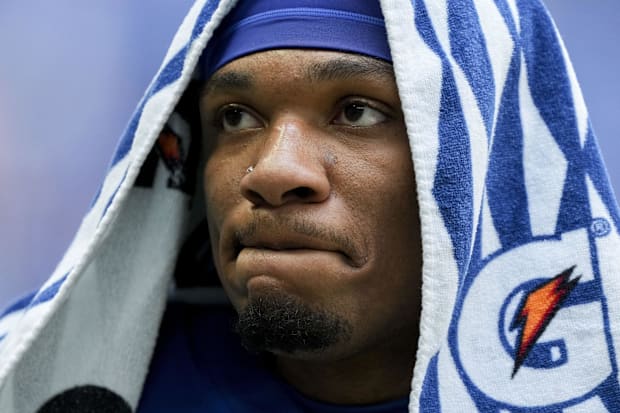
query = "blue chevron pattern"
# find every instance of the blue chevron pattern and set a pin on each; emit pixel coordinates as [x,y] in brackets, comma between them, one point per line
[535,187]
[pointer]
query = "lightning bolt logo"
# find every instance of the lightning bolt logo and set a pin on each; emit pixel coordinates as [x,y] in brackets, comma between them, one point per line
[537,310]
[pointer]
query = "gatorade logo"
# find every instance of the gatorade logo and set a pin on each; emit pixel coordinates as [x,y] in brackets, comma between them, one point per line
[528,347]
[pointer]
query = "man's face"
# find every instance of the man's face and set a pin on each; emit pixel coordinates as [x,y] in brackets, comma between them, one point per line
[311,202]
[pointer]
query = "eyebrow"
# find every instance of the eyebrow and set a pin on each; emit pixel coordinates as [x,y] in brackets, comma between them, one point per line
[228,80]
[348,67]
[340,68]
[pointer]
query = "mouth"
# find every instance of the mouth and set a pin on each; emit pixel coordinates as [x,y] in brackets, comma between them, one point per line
[278,245]
[292,243]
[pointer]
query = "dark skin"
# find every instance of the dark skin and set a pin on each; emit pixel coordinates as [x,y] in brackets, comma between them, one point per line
[328,214]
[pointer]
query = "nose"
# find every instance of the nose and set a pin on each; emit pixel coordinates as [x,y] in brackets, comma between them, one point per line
[289,169]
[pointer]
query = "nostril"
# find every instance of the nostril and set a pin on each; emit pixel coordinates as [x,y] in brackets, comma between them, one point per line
[302,192]
[254,197]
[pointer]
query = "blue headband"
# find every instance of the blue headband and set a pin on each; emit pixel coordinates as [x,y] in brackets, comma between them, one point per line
[257,25]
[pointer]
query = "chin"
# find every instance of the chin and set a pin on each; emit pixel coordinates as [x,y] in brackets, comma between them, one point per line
[283,324]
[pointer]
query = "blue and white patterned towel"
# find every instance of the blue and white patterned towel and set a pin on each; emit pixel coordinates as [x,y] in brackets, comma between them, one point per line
[521,242]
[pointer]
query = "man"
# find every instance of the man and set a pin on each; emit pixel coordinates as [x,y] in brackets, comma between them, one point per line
[310,113]
[300,145]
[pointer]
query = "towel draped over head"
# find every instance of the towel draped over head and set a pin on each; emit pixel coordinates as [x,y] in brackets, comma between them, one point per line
[519,225]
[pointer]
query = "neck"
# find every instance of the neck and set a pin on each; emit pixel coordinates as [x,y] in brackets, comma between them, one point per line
[361,379]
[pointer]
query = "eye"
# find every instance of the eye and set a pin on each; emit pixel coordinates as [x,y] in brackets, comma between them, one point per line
[235,118]
[360,114]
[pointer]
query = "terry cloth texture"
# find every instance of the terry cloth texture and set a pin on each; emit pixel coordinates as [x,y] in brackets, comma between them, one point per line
[520,229]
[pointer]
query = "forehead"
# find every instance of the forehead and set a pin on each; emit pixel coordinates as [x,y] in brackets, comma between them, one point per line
[310,66]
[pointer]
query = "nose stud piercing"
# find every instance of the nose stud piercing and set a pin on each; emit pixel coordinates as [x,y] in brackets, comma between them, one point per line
[250,169]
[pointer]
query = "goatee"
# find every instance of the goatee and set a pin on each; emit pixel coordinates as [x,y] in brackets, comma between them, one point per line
[283,323]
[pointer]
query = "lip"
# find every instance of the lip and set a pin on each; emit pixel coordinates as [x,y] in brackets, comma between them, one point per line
[288,243]
[296,268]
[292,243]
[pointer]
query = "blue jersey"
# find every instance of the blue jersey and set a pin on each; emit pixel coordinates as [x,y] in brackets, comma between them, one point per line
[200,366]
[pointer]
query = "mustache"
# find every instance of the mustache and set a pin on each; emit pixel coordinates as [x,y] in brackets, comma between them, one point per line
[290,225]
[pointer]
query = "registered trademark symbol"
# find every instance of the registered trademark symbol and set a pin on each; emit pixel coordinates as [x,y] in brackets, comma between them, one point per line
[600,227]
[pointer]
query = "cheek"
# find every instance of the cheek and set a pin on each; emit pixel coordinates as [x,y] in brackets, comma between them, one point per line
[384,204]
[381,186]
[223,170]
[221,193]
[400,218]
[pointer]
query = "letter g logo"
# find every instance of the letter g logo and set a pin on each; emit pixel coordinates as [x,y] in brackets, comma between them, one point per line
[531,345]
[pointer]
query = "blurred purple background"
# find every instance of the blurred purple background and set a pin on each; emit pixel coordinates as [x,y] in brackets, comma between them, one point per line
[72,72]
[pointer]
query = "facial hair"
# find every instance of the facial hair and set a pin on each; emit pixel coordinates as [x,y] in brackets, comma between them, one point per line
[278,322]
